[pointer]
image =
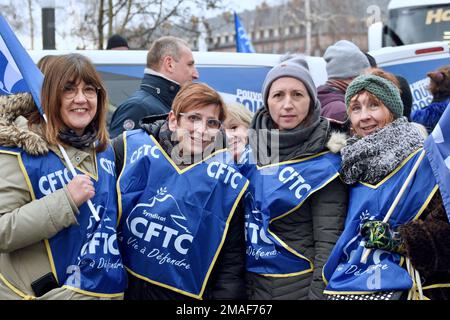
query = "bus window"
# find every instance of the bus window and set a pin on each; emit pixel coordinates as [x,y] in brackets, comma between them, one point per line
[418,24]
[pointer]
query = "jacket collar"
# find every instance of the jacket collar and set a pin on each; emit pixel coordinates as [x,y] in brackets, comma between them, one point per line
[162,88]
[156,73]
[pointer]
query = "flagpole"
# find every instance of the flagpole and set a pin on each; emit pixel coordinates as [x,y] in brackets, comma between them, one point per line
[366,251]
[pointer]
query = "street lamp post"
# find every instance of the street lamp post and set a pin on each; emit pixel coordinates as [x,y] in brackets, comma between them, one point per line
[48,25]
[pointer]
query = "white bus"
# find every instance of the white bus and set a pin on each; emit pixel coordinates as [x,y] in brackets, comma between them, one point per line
[413,62]
[412,21]
[236,76]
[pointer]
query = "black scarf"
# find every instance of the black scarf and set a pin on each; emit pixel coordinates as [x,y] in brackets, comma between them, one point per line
[69,137]
[306,139]
[168,141]
[370,159]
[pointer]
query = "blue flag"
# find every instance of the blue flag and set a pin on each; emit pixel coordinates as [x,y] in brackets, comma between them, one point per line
[18,73]
[243,43]
[437,147]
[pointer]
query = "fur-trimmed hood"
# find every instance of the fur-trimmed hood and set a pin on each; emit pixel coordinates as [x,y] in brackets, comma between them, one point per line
[337,141]
[14,130]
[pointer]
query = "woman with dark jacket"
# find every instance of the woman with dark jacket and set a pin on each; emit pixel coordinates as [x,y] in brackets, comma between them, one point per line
[182,230]
[296,204]
[378,160]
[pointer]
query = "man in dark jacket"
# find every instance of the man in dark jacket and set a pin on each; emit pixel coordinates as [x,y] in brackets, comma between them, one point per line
[170,64]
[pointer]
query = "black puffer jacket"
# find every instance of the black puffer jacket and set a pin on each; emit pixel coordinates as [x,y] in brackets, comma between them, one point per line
[311,230]
[227,277]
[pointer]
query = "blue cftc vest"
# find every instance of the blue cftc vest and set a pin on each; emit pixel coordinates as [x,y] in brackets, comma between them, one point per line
[383,272]
[84,258]
[276,191]
[174,222]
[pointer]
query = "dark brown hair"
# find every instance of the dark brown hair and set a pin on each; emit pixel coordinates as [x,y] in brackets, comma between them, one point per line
[64,69]
[440,82]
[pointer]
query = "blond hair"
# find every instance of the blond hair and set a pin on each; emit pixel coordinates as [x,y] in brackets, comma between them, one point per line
[239,113]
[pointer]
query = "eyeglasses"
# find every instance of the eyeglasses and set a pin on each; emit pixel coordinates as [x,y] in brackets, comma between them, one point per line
[70,91]
[196,120]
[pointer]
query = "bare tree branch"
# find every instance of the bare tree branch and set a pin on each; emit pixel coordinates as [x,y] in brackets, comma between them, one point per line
[100,25]
[127,16]
[110,17]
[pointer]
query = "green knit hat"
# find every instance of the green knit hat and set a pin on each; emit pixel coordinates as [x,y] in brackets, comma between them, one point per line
[382,88]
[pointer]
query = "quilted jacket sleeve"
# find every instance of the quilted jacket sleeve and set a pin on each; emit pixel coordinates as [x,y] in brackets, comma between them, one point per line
[329,209]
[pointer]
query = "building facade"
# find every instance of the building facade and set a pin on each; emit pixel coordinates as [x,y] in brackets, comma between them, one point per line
[284,28]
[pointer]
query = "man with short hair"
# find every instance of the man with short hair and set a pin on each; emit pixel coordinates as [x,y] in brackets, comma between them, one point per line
[170,64]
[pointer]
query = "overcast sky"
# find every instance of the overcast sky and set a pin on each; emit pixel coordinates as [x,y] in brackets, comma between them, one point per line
[241,5]
[64,23]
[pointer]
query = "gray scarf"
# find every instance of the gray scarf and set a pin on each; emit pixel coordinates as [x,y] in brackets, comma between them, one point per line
[370,159]
[305,139]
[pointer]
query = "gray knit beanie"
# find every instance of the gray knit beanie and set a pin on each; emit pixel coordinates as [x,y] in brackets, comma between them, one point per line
[295,68]
[382,88]
[345,60]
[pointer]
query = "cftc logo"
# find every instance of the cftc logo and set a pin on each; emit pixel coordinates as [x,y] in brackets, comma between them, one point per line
[11,80]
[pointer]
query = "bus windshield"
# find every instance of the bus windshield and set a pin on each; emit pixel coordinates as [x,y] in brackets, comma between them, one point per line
[418,24]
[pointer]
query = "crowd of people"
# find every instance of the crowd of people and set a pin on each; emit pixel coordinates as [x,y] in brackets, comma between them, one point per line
[189,197]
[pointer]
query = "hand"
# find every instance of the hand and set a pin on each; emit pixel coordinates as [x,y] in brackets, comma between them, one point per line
[379,235]
[81,189]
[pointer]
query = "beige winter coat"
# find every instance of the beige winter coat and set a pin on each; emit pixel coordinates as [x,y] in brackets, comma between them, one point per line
[24,223]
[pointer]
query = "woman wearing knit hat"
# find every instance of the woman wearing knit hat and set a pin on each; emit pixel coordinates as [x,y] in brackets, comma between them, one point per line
[382,157]
[296,204]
